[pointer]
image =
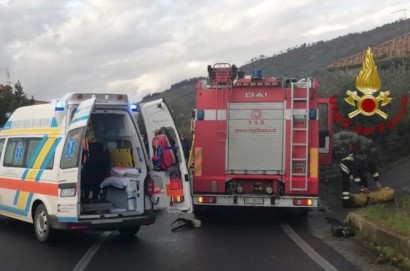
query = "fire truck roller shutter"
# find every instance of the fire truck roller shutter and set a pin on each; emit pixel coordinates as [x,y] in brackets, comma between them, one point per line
[255,137]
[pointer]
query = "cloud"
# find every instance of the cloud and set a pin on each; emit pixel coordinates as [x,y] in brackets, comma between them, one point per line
[54,47]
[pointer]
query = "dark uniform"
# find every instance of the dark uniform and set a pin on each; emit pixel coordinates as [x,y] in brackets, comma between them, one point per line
[355,167]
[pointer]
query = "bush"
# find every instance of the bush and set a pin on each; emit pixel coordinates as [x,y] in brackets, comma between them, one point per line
[344,138]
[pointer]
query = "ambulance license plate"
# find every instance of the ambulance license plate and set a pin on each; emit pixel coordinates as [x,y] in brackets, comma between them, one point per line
[258,201]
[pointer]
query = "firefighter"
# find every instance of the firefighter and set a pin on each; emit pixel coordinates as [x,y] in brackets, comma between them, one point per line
[185,147]
[354,167]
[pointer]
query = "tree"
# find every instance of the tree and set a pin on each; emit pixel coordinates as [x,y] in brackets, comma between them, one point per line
[11,99]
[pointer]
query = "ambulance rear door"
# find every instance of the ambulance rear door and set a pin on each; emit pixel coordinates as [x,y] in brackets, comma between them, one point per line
[70,164]
[175,181]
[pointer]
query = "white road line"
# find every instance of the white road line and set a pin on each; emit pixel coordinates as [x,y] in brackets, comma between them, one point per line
[308,249]
[85,260]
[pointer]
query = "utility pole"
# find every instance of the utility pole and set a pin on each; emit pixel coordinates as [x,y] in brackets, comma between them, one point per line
[8,77]
[405,17]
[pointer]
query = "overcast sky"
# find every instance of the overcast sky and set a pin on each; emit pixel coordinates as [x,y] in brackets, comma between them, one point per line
[143,46]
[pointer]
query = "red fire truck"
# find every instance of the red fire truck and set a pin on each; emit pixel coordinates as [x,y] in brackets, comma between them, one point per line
[258,141]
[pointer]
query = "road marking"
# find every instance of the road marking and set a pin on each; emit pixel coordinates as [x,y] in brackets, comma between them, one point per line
[308,249]
[85,260]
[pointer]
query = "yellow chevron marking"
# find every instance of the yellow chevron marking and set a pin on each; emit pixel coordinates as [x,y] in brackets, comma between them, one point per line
[43,153]
[314,162]
[21,204]
[22,201]
[51,131]
[198,161]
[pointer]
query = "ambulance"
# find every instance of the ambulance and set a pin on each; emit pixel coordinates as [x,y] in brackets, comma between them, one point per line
[84,162]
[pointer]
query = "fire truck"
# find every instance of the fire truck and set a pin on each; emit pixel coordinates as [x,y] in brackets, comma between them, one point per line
[258,141]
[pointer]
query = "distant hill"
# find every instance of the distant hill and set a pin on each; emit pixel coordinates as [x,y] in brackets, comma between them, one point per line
[397,48]
[304,60]
[312,59]
[308,60]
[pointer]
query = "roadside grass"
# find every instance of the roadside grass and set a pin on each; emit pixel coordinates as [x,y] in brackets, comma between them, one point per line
[395,217]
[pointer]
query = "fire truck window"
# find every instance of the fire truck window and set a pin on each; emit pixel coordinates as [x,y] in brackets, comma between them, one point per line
[323,124]
[323,117]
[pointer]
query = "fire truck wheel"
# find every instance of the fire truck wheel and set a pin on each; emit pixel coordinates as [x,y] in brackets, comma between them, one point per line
[129,231]
[42,226]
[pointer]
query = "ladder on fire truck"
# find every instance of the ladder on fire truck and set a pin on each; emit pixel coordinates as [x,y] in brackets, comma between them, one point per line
[299,132]
[221,78]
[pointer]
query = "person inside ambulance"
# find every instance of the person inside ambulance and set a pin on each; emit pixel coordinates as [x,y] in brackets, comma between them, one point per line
[355,167]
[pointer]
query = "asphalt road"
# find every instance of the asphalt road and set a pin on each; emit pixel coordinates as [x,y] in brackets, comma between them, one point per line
[233,240]
[229,240]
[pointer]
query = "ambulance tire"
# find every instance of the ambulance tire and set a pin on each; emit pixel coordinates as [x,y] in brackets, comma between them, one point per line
[129,231]
[42,225]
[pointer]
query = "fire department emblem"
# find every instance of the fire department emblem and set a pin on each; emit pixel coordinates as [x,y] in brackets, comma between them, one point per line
[256,114]
[368,82]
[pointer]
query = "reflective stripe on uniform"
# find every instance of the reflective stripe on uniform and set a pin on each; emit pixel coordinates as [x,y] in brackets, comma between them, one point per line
[345,168]
[357,180]
[345,193]
[375,174]
[346,197]
[349,157]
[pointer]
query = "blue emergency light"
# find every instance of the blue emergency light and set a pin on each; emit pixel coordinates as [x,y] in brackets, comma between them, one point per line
[312,114]
[59,106]
[134,107]
[200,114]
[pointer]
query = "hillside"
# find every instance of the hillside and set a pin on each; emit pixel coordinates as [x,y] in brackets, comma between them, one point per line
[312,60]
[304,60]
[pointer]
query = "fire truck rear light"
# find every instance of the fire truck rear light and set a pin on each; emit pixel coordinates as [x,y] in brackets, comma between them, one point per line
[302,202]
[207,199]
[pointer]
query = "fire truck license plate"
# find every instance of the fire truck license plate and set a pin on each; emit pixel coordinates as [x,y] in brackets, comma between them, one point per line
[258,201]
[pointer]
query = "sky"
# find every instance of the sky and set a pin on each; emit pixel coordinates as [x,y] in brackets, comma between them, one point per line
[138,47]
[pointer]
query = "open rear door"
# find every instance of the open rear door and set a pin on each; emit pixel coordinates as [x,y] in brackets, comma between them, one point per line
[175,179]
[71,163]
[325,132]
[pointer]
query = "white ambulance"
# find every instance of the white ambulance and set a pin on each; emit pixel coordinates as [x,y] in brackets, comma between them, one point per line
[81,162]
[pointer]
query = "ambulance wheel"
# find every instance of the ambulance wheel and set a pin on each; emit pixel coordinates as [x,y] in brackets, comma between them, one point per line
[42,226]
[129,231]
